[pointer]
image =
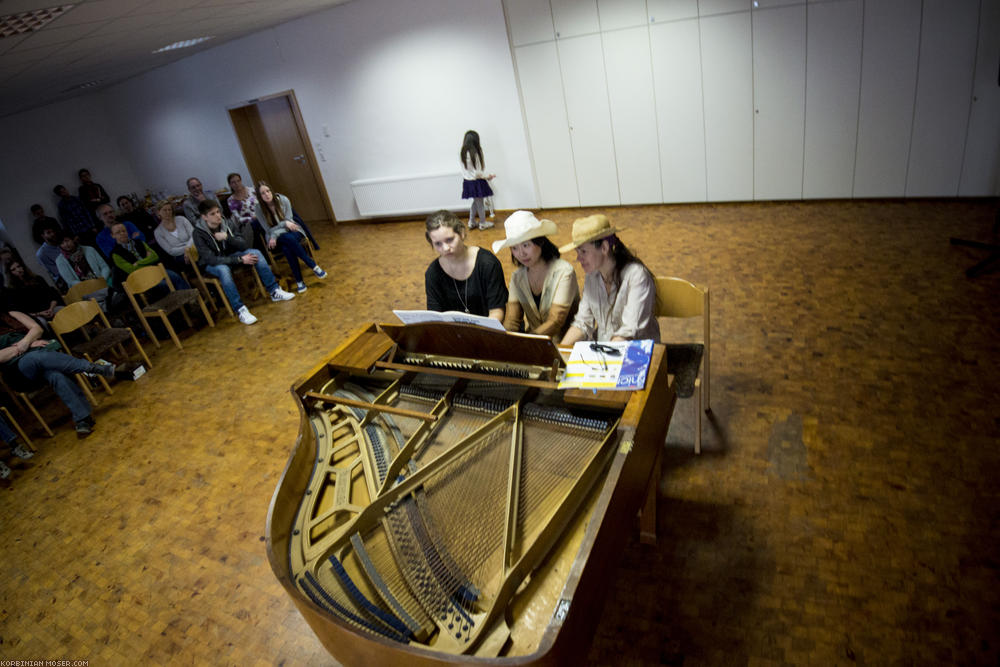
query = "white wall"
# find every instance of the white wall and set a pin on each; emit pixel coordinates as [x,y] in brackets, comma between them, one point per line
[385,89]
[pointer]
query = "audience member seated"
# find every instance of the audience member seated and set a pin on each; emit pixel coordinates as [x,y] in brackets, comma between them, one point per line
[138,216]
[17,448]
[222,245]
[243,202]
[40,222]
[76,218]
[26,361]
[130,254]
[174,233]
[273,212]
[105,242]
[196,195]
[619,293]
[30,294]
[543,292]
[91,194]
[80,262]
[49,251]
[463,278]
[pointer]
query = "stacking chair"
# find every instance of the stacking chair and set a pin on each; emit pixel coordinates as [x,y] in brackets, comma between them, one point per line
[80,290]
[678,298]
[145,279]
[17,427]
[203,281]
[85,317]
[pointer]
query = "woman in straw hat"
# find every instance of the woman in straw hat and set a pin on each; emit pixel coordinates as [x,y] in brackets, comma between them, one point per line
[619,293]
[463,278]
[543,290]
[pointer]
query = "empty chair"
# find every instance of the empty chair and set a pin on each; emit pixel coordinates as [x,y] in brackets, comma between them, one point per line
[145,279]
[678,298]
[100,337]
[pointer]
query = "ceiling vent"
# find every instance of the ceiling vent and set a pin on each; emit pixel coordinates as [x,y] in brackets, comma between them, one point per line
[18,24]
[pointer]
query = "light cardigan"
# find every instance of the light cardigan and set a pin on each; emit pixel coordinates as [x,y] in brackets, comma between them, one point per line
[175,245]
[628,311]
[284,210]
[94,259]
[559,288]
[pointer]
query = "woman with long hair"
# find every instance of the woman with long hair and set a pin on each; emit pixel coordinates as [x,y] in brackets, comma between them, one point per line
[274,213]
[463,278]
[619,292]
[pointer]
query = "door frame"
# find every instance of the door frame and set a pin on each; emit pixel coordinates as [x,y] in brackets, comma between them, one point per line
[253,157]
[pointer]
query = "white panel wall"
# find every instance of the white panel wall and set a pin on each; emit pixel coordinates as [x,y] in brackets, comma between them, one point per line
[981,169]
[575,17]
[833,83]
[633,115]
[545,111]
[727,80]
[530,21]
[617,14]
[779,46]
[661,11]
[582,62]
[944,92]
[888,89]
[680,115]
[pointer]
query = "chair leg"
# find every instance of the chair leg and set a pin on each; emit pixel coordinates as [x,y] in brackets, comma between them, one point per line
[170,330]
[86,390]
[149,329]
[38,416]
[697,417]
[142,352]
[208,315]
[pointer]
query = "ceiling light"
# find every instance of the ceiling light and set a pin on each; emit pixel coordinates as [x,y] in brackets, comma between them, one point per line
[16,24]
[184,44]
[83,86]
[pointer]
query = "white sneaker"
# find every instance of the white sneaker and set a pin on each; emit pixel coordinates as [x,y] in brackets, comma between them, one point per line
[246,317]
[485,225]
[281,295]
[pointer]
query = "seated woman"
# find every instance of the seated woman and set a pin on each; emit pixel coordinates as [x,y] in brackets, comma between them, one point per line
[30,294]
[619,293]
[274,213]
[174,234]
[129,255]
[26,361]
[543,290]
[464,278]
[243,201]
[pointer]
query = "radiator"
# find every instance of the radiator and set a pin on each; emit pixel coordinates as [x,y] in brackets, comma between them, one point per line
[408,194]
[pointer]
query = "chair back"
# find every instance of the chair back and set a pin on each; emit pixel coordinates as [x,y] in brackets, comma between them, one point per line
[83,288]
[191,253]
[74,316]
[676,297]
[145,279]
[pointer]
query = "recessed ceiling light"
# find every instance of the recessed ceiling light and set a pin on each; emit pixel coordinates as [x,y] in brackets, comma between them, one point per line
[184,44]
[16,24]
[84,86]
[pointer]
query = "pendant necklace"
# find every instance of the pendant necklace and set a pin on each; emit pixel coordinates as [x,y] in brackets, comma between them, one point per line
[465,301]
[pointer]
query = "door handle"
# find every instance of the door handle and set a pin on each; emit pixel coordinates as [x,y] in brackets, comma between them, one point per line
[301,159]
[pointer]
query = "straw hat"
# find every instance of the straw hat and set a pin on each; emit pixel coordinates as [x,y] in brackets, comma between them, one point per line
[523,226]
[591,228]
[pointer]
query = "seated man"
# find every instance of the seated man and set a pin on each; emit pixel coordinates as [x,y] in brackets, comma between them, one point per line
[196,195]
[221,246]
[49,252]
[105,242]
[138,216]
[77,263]
[131,254]
[26,362]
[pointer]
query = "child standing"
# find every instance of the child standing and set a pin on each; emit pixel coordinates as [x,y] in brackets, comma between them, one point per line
[475,186]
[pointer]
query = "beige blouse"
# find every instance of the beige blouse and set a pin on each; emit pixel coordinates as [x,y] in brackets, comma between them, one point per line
[559,288]
[628,311]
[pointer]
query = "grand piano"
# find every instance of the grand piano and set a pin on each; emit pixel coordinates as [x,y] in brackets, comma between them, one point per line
[445,503]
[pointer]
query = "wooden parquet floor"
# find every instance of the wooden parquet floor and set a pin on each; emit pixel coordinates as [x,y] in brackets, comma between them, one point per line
[845,509]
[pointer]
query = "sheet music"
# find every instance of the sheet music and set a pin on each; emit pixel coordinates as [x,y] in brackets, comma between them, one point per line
[418,316]
[608,366]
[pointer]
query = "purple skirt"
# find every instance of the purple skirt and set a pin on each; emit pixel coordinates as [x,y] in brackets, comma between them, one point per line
[475,189]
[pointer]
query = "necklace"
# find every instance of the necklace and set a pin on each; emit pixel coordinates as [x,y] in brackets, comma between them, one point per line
[465,301]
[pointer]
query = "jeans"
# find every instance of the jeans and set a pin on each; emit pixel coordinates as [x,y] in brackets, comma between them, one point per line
[293,251]
[177,279]
[225,275]
[7,434]
[56,368]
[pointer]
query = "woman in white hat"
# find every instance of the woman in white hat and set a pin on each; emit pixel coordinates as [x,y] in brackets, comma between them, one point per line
[543,290]
[463,278]
[619,293]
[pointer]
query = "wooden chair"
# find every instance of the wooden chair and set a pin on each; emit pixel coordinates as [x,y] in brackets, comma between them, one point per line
[148,277]
[28,394]
[678,298]
[84,316]
[80,290]
[203,281]
[272,256]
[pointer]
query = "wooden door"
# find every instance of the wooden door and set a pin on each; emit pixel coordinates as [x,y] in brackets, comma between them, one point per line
[276,148]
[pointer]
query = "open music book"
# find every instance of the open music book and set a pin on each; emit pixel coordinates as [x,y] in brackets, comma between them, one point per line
[608,365]
[417,316]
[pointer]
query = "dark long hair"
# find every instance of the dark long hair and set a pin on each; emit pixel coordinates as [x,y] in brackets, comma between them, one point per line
[621,254]
[270,213]
[549,250]
[470,147]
